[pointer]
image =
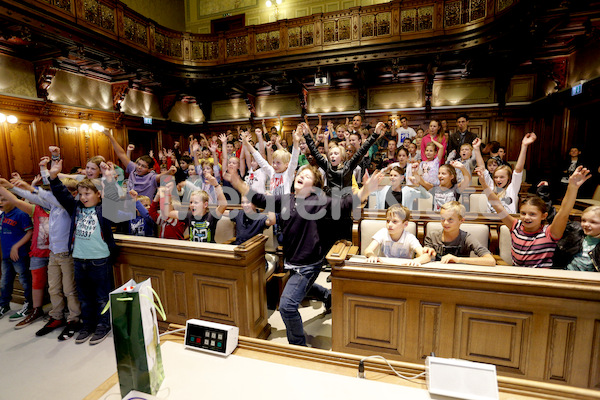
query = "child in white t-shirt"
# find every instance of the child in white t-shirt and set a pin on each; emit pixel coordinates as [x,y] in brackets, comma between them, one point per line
[394,241]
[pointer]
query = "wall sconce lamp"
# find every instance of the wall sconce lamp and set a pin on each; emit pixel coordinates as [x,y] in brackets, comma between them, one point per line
[269,3]
[11,119]
[95,127]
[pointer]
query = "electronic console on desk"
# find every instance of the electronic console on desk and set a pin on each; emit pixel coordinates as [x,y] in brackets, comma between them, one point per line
[211,337]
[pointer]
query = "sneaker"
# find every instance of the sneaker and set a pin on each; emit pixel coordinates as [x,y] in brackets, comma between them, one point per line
[100,334]
[4,310]
[36,314]
[51,325]
[22,313]
[69,330]
[84,334]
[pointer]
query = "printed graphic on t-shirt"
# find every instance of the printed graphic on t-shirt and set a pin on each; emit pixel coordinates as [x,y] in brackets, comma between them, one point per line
[441,198]
[137,227]
[43,239]
[396,250]
[199,231]
[277,185]
[86,225]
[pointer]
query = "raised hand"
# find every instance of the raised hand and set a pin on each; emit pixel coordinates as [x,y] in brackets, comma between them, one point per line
[6,184]
[175,145]
[213,147]
[151,153]
[580,175]
[54,150]
[379,128]
[15,175]
[457,164]
[55,168]
[172,170]
[36,181]
[44,161]
[529,139]
[133,194]
[476,143]
[223,138]
[130,147]
[212,180]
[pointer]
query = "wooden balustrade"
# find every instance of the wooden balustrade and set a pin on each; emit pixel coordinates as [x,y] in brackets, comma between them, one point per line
[395,21]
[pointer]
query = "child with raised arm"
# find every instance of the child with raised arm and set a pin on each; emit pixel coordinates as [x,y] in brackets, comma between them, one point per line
[580,250]
[38,255]
[466,157]
[142,224]
[15,234]
[91,244]
[281,173]
[394,241]
[453,245]
[505,182]
[61,280]
[533,241]
[448,189]
[142,177]
[302,238]
[248,223]
[168,227]
[200,221]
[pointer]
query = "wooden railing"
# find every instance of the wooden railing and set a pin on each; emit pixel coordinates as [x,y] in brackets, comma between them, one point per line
[396,21]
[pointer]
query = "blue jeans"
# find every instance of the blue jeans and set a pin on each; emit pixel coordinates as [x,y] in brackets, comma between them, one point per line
[9,270]
[94,282]
[301,281]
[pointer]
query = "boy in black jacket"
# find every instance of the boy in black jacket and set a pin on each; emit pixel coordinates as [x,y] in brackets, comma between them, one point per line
[91,245]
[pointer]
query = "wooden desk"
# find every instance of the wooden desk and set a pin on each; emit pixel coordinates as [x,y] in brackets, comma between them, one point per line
[215,282]
[541,325]
[347,365]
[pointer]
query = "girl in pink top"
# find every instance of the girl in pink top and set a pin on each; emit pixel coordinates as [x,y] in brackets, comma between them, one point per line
[435,130]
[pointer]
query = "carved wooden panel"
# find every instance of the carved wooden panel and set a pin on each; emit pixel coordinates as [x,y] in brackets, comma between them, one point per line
[375,323]
[21,139]
[258,296]
[179,293]
[100,145]
[158,279]
[72,147]
[595,369]
[429,328]
[560,348]
[215,298]
[493,336]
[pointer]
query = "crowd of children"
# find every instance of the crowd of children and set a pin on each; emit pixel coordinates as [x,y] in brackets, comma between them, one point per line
[56,233]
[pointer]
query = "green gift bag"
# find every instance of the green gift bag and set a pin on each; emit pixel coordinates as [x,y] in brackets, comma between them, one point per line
[135,331]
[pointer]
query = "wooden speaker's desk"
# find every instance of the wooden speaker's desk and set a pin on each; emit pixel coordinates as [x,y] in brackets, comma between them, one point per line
[539,325]
[215,282]
[279,371]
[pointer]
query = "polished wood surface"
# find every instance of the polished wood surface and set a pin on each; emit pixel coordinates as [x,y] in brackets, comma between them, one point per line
[215,282]
[542,325]
[347,364]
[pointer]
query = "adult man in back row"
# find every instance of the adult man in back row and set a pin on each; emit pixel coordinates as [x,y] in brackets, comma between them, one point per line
[462,134]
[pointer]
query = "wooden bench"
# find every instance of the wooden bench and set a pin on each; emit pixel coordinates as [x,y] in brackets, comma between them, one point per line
[541,325]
